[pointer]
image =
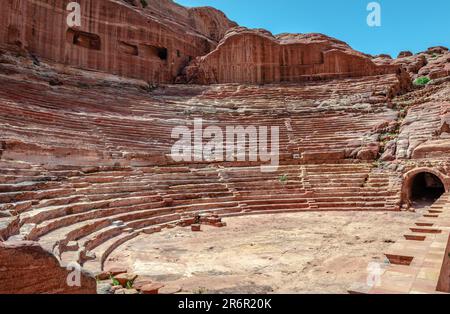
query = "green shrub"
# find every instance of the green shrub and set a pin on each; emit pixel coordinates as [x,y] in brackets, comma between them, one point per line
[130,284]
[422,81]
[283,179]
[115,282]
[144,3]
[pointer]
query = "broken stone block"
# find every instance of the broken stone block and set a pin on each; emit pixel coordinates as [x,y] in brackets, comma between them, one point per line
[115,288]
[123,279]
[140,282]
[72,246]
[196,228]
[104,287]
[220,224]
[126,291]
[111,272]
[152,288]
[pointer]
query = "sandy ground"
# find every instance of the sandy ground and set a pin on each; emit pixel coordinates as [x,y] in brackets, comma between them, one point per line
[283,253]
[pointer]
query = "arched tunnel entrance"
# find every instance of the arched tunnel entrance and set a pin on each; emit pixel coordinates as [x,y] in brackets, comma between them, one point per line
[426,188]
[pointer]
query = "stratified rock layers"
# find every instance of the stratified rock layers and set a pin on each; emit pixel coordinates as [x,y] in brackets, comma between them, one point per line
[85,162]
[255,56]
[26,268]
[114,37]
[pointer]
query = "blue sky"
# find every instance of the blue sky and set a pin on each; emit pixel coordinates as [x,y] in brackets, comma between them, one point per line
[411,25]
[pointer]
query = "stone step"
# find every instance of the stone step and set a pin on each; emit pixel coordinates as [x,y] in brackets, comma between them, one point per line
[282,206]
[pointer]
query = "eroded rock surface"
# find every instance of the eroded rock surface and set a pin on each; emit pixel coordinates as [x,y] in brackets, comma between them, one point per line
[85,155]
[117,37]
[256,56]
[26,268]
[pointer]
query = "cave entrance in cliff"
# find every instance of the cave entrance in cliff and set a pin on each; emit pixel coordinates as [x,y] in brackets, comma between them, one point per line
[83,39]
[426,188]
[154,52]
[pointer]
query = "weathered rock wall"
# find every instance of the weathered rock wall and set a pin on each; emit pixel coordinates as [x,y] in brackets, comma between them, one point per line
[207,21]
[255,56]
[26,268]
[115,36]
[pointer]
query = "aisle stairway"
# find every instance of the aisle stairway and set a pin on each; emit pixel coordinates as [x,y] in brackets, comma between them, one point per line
[420,261]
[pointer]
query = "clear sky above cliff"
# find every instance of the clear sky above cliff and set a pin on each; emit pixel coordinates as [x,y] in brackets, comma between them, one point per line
[411,25]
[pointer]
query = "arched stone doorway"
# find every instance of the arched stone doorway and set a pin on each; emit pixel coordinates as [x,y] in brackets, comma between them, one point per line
[423,187]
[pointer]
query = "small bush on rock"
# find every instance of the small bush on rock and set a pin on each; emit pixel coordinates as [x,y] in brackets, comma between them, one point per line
[144,3]
[284,179]
[422,81]
[115,282]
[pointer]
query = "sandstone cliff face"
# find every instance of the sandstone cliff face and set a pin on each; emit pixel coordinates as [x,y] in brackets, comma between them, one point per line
[118,37]
[207,21]
[423,131]
[433,63]
[26,268]
[84,155]
[256,56]
[210,22]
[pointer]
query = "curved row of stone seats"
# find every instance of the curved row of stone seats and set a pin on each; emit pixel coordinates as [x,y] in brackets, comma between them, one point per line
[103,207]
[23,185]
[115,122]
[267,192]
[333,130]
[61,126]
[138,198]
[83,213]
[352,186]
[361,89]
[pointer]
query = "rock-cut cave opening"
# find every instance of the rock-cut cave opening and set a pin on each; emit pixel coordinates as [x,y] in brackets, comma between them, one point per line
[426,187]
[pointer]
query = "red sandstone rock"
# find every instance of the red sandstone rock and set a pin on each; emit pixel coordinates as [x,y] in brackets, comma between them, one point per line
[140,282]
[256,56]
[101,150]
[196,227]
[389,151]
[370,152]
[170,289]
[116,288]
[111,272]
[168,201]
[433,63]
[404,54]
[126,291]
[26,268]
[151,288]
[432,149]
[165,36]
[125,278]
[437,49]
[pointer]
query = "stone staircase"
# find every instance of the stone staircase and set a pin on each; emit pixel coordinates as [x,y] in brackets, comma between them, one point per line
[420,261]
[83,214]
[82,179]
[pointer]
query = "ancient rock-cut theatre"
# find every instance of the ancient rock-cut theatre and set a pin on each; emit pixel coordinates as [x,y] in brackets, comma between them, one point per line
[86,115]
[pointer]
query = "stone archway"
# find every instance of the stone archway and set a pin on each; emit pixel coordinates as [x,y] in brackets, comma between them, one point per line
[424,185]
